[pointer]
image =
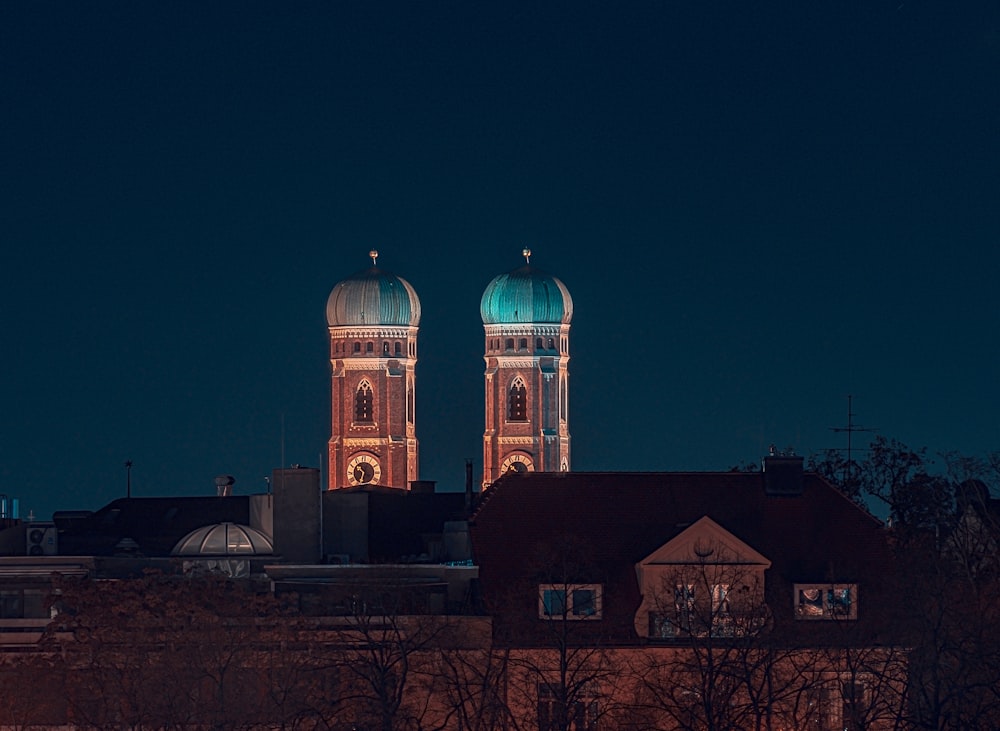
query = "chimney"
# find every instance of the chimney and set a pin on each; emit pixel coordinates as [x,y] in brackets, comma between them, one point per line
[224,485]
[782,473]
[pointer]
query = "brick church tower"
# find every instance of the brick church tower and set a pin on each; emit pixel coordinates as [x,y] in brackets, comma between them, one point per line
[526,317]
[373,318]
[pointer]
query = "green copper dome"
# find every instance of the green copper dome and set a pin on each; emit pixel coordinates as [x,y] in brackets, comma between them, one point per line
[526,295]
[373,297]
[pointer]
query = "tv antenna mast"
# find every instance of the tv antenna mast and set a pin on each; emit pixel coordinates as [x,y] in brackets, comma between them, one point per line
[850,429]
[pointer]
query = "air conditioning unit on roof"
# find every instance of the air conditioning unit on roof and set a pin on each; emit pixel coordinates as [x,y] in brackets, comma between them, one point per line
[41,539]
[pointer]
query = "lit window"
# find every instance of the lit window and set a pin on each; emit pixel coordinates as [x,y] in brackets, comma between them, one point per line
[722,619]
[826,601]
[667,625]
[569,601]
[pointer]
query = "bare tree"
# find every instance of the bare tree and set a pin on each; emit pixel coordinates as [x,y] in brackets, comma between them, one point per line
[561,670]
[165,651]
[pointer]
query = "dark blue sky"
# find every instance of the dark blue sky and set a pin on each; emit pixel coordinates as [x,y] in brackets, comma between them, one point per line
[757,210]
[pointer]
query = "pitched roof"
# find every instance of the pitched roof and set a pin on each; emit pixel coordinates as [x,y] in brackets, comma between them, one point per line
[619,518]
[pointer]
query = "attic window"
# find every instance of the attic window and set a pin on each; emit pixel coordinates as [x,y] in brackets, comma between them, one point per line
[826,601]
[569,601]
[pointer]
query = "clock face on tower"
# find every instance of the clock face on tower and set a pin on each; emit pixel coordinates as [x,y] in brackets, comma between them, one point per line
[363,469]
[517,463]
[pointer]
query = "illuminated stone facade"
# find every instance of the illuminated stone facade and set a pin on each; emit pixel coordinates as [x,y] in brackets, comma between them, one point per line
[373,319]
[526,317]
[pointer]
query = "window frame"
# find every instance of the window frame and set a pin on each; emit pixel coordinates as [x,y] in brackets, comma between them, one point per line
[582,710]
[517,401]
[364,403]
[828,609]
[568,609]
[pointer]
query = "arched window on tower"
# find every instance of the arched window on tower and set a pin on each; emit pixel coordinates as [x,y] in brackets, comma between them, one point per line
[369,347]
[357,347]
[517,401]
[364,403]
[399,348]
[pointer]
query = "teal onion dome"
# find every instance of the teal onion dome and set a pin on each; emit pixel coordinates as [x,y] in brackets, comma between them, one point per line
[526,295]
[373,297]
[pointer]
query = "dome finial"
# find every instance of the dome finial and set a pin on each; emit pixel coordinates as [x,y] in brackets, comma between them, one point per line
[374,255]
[526,253]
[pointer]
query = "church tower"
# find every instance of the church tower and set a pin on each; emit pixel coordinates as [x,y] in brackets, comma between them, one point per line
[373,318]
[526,317]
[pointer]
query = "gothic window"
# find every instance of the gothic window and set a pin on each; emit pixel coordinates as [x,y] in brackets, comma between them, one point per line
[385,348]
[522,344]
[369,347]
[538,343]
[552,344]
[509,344]
[399,348]
[357,347]
[364,403]
[517,401]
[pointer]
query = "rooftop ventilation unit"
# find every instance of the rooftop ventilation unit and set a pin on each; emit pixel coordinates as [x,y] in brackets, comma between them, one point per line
[42,539]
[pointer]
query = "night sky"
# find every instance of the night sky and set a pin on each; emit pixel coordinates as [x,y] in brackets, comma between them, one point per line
[758,208]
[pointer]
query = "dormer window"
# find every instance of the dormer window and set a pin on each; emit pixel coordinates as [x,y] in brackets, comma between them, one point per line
[705,582]
[826,601]
[569,601]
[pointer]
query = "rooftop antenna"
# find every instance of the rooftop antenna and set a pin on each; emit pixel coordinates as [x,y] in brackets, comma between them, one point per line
[850,429]
[526,253]
[374,255]
[128,478]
